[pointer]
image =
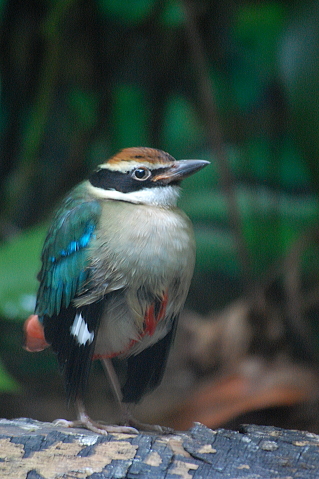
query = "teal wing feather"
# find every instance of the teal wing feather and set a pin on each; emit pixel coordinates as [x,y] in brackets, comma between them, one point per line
[65,271]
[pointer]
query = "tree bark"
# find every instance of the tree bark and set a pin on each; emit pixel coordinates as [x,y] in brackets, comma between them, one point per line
[34,450]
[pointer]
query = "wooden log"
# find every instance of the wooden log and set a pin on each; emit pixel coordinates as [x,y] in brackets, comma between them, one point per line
[34,450]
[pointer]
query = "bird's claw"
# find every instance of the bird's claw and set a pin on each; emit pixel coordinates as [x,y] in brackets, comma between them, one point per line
[64,423]
[140,426]
[96,426]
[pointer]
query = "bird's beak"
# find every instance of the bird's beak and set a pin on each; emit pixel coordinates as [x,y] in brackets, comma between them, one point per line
[179,170]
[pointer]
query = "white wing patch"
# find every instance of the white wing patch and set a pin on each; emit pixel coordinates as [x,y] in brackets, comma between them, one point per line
[80,331]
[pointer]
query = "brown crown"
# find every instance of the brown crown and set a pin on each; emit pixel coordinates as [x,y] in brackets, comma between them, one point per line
[141,154]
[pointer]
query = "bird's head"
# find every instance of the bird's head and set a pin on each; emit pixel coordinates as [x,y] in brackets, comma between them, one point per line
[142,175]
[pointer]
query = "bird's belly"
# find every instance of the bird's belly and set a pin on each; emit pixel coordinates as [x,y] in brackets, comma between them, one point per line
[122,336]
[152,255]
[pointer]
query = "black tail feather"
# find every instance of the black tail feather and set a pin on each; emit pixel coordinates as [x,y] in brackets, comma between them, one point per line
[145,370]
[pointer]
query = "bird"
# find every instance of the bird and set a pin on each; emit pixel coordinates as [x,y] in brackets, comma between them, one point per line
[117,263]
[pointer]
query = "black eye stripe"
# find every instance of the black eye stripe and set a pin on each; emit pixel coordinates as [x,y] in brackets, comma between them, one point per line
[123,182]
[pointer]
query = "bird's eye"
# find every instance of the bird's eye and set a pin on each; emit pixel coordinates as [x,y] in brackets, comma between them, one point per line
[141,174]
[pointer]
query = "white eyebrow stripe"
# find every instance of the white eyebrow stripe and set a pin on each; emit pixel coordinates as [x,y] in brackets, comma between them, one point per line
[126,166]
[80,331]
[165,196]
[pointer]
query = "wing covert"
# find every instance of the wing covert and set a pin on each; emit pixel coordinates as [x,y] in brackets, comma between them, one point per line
[64,271]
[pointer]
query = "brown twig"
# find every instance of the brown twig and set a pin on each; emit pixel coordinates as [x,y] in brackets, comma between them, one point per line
[207,101]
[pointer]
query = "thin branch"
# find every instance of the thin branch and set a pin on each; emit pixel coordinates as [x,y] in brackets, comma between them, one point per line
[207,101]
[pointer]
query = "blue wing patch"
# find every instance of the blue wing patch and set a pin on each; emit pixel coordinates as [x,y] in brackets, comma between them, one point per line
[65,271]
[75,246]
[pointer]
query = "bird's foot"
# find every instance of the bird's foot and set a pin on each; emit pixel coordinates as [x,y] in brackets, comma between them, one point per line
[96,426]
[140,426]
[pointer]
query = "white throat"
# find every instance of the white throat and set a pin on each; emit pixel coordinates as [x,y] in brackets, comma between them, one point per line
[165,196]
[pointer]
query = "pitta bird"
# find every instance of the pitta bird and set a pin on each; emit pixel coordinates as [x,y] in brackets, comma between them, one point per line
[116,268]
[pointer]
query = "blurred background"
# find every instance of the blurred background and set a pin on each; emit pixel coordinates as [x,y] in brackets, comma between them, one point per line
[236,83]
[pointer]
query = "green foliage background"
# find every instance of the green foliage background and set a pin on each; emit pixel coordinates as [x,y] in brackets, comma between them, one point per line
[82,79]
